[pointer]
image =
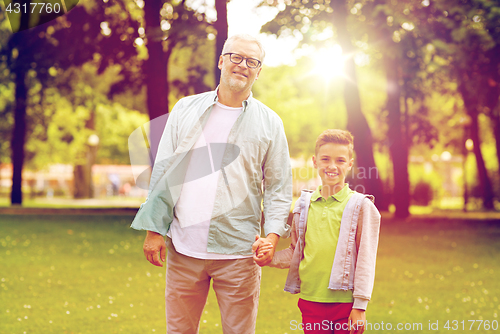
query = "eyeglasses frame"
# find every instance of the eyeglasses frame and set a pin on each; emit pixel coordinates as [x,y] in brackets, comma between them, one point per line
[243,58]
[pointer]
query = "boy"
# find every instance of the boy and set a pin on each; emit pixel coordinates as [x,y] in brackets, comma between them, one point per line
[332,262]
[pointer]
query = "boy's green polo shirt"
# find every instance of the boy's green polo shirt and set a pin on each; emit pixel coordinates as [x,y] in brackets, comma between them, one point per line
[322,235]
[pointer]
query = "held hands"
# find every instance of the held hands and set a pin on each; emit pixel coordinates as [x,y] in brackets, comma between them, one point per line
[153,244]
[263,249]
[357,321]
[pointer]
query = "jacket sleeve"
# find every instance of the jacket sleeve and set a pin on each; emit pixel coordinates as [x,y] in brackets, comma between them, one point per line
[367,237]
[283,258]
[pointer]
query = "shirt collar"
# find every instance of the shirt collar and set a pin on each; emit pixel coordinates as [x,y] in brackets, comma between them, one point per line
[244,104]
[339,197]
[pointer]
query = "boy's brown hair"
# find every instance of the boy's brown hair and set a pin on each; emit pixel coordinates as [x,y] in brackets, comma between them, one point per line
[335,136]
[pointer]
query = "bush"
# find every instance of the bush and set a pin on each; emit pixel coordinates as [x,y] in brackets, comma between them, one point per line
[422,193]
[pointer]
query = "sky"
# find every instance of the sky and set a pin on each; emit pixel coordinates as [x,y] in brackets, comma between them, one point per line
[244,17]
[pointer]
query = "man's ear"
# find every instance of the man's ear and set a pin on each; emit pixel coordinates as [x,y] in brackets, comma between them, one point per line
[258,72]
[220,62]
[314,162]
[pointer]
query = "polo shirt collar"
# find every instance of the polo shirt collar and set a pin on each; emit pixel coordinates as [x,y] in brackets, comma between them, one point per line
[339,197]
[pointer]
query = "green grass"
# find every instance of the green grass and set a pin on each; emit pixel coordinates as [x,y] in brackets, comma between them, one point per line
[76,274]
[66,202]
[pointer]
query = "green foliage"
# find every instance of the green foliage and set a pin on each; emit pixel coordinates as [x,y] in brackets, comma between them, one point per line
[304,101]
[114,124]
[6,105]
[64,119]
[190,68]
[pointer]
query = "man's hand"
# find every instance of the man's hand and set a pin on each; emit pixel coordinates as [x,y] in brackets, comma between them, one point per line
[357,321]
[269,243]
[153,244]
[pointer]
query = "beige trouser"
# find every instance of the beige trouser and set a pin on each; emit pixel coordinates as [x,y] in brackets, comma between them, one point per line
[236,284]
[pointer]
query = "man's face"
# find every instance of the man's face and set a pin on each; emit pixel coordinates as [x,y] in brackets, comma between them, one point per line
[333,163]
[239,78]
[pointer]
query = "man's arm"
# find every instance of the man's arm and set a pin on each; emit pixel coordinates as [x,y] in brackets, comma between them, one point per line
[153,244]
[147,218]
[277,192]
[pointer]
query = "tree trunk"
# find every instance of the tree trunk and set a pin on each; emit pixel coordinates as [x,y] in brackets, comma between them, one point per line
[82,181]
[484,180]
[397,142]
[156,73]
[471,103]
[82,174]
[356,121]
[19,132]
[18,136]
[221,27]
[495,118]
[493,97]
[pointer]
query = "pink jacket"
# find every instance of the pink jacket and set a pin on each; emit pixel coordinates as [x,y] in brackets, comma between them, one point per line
[355,256]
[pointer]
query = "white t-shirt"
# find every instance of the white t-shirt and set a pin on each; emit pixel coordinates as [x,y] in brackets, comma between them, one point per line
[193,211]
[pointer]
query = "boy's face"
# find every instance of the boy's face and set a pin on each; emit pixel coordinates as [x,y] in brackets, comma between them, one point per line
[333,164]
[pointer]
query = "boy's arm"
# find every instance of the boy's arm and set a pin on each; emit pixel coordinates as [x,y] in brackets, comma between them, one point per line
[357,321]
[282,258]
[368,235]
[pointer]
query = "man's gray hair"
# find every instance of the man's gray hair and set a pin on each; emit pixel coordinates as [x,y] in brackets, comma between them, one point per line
[245,37]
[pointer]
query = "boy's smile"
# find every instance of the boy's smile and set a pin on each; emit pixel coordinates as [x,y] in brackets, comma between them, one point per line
[333,164]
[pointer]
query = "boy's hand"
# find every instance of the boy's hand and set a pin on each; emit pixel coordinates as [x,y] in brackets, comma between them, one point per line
[263,249]
[357,321]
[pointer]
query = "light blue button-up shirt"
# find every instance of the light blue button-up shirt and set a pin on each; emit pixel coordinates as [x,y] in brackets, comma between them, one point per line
[255,173]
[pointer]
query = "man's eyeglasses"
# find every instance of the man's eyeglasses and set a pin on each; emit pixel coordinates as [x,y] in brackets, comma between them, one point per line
[237,59]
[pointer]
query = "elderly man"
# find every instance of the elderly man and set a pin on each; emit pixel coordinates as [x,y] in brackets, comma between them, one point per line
[222,157]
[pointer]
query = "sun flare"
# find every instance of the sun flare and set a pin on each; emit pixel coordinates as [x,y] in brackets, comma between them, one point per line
[329,62]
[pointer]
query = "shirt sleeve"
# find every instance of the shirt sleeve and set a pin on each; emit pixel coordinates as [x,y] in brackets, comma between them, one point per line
[148,218]
[277,185]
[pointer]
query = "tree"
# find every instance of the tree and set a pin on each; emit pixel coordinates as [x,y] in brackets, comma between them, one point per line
[169,24]
[309,19]
[468,39]
[156,70]
[356,122]
[19,130]
[221,27]
[383,24]
[44,49]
